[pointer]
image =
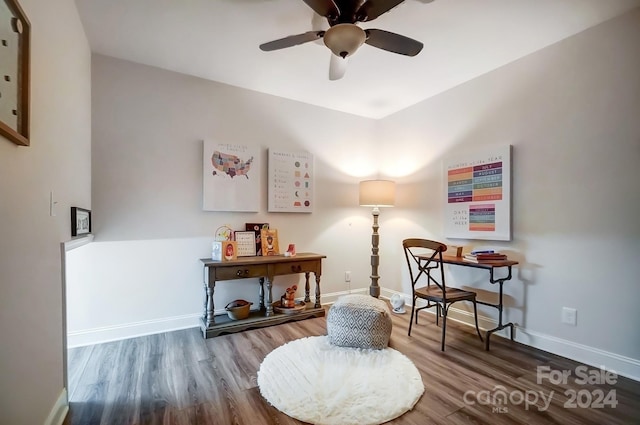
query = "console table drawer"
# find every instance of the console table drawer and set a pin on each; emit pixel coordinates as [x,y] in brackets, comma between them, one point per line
[240,272]
[297,267]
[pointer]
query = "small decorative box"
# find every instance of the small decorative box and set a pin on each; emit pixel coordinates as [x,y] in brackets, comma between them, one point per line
[224,250]
[216,251]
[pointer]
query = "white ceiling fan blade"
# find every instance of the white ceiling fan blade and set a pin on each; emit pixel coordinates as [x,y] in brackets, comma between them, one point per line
[319,23]
[337,67]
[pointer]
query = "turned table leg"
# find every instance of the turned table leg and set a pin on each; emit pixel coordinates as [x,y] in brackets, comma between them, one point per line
[269,300]
[306,288]
[209,318]
[261,293]
[317,304]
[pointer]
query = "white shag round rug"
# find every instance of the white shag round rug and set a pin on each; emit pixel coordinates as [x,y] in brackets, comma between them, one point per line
[316,382]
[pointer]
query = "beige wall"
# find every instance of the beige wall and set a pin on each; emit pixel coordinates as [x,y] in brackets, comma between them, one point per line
[569,111]
[572,107]
[57,161]
[147,155]
[148,129]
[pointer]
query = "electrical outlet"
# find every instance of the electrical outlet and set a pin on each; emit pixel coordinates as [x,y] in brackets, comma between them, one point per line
[569,316]
[347,276]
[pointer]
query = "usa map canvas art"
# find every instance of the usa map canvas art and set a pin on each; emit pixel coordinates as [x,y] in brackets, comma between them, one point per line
[230,177]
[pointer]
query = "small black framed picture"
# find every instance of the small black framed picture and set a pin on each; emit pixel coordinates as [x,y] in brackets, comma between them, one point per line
[80,221]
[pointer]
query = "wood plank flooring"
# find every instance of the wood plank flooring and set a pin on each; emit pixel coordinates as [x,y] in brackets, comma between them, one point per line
[179,378]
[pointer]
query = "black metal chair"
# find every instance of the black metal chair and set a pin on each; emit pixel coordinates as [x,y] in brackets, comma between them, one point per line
[426,257]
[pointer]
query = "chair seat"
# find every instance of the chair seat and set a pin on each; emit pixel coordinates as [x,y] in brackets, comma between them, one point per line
[453,294]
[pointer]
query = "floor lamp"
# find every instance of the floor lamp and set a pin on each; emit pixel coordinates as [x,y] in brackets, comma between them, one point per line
[376,194]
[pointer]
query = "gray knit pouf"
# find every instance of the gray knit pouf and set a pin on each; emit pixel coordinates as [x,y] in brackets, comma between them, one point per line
[359,321]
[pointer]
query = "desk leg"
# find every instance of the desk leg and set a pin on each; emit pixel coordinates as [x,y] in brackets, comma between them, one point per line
[209,318]
[499,328]
[269,300]
[499,307]
[306,288]
[261,293]
[317,304]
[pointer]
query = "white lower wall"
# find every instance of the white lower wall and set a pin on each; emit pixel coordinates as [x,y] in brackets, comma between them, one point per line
[99,335]
[157,285]
[153,280]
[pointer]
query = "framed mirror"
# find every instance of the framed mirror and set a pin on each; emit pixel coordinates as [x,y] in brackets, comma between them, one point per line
[15,32]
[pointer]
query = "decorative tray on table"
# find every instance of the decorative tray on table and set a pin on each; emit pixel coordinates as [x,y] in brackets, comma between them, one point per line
[299,306]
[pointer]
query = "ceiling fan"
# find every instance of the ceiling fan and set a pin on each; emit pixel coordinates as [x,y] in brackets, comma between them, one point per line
[344,36]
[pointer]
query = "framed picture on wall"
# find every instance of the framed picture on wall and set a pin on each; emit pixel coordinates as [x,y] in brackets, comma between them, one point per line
[291,181]
[80,221]
[477,194]
[15,31]
[230,177]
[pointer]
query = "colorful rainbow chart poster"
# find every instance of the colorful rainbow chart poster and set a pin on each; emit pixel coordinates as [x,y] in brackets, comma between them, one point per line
[290,181]
[478,195]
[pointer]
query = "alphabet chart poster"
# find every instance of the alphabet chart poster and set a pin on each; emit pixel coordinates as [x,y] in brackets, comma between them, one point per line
[477,195]
[290,181]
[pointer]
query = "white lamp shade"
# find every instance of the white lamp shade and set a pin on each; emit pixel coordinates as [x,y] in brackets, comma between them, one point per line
[344,39]
[377,193]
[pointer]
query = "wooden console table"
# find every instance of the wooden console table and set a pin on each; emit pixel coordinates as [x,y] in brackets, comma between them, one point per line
[265,268]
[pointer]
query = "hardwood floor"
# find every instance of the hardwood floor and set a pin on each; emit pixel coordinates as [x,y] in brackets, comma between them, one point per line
[179,378]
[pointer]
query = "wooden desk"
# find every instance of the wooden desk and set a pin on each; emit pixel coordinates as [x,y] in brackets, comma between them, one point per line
[265,268]
[490,266]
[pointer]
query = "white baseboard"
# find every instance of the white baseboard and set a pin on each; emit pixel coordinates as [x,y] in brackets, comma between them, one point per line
[624,366]
[131,330]
[332,297]
[59,410]
[621,365]
[149,327]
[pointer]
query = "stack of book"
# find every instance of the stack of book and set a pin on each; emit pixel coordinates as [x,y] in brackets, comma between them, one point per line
[484,256]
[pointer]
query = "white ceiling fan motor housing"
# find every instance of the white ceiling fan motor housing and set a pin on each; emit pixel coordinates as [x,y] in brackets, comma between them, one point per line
[344,39]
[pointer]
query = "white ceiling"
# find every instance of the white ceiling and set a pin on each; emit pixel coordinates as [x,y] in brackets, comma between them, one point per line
[218,40]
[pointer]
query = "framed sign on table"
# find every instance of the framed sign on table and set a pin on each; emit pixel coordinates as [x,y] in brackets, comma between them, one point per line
[270,243]
[246,242]
[477,194]
[256,228]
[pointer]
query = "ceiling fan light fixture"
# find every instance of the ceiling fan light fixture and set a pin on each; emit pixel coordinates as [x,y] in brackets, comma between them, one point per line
[344,39]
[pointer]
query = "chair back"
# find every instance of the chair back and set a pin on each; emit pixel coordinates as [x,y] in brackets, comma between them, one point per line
[425,256]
